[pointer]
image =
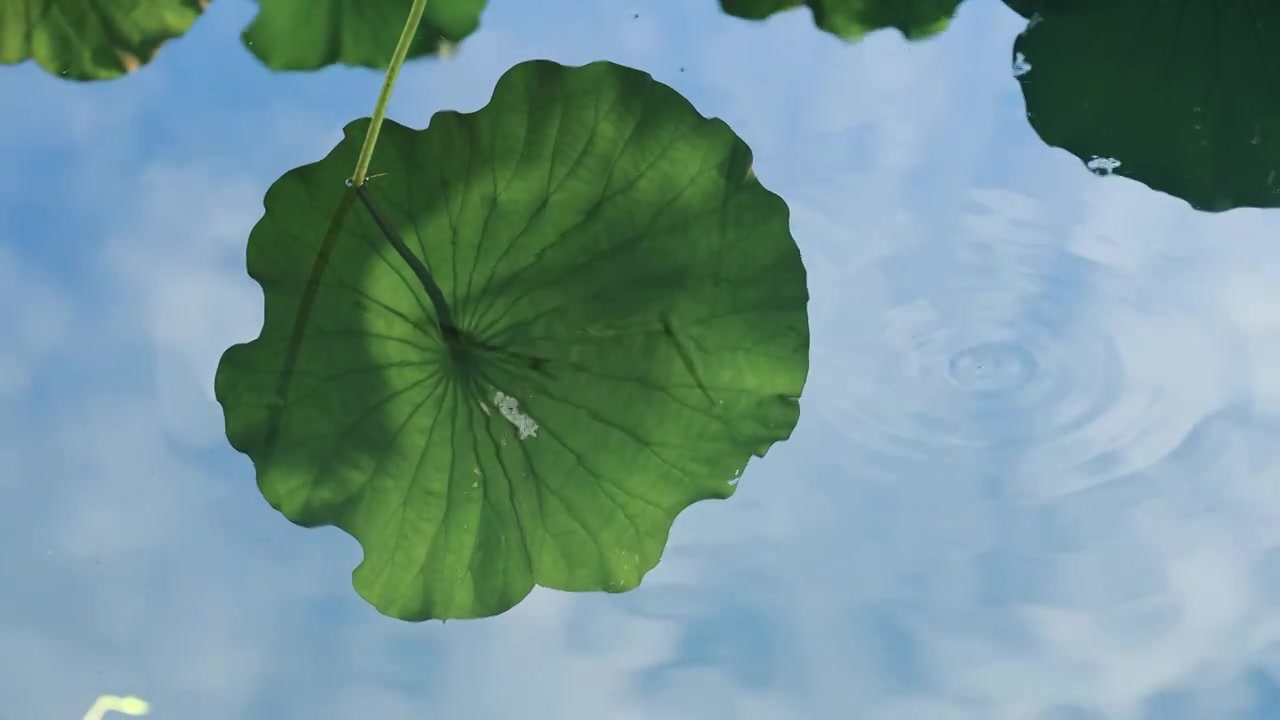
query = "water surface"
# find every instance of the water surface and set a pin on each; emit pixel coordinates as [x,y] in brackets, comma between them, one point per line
[1036,475]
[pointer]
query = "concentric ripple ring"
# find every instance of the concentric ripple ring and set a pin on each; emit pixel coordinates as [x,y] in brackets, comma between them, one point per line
[1053,381]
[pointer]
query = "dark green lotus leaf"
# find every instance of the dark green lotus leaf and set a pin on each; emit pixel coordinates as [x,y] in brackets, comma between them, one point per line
[91,39]
[632,329]
[311,34]
[1025,8]
[851,19]
[1183,97]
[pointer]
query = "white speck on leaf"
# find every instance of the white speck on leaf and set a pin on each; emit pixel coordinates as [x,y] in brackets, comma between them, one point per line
[1102,166]
[1020,65]
[510,409]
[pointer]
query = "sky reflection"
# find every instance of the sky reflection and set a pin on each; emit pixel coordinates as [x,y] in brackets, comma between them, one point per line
[1035,474]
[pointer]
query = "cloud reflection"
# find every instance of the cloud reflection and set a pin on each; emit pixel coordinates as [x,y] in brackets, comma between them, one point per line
[1034,477]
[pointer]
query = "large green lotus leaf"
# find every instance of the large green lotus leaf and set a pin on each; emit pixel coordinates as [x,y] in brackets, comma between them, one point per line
[632,329]
[1181,96]
[311,34]
[851,19]
[91,39]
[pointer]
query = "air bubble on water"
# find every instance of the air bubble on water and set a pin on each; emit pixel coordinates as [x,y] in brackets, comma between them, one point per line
[992,368]
[1101,165]
[1020,65]
[349,182]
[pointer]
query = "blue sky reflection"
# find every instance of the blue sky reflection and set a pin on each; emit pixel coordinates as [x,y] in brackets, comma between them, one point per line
[1035,476]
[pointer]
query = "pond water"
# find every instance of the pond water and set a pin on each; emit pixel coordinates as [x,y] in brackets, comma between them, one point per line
[1036,474]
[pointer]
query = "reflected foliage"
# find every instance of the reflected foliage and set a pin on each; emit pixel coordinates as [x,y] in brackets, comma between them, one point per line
[312,34]
[91,39]
[852,19]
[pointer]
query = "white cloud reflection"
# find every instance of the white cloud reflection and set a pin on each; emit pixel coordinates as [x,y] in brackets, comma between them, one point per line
[1036,476]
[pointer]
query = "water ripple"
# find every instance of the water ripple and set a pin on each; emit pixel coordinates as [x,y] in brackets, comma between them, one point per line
[1016,353]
